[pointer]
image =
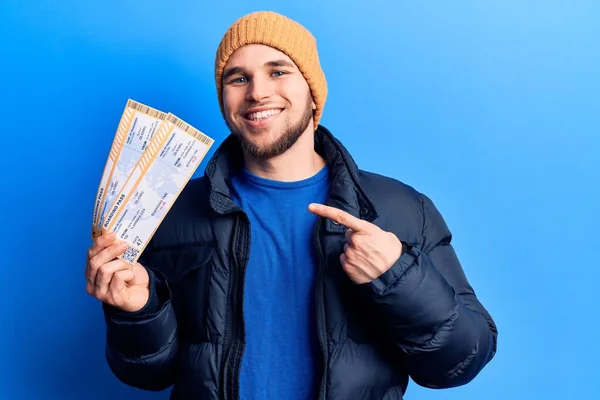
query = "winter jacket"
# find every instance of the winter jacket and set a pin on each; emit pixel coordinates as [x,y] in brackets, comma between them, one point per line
[420,319]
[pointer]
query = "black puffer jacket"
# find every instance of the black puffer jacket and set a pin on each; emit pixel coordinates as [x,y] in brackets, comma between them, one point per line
[420,319]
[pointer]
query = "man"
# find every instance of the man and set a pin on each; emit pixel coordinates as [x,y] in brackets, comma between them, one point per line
[286,271]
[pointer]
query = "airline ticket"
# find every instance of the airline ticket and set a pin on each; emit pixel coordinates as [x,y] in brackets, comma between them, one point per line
[136,129]
[154,184]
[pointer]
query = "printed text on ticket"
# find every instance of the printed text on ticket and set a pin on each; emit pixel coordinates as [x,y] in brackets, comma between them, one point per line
[154,184]
[136,129]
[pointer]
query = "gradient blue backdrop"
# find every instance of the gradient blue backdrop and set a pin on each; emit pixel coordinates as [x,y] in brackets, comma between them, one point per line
[491,108]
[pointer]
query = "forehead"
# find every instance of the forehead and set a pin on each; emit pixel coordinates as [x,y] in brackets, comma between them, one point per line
[253,56]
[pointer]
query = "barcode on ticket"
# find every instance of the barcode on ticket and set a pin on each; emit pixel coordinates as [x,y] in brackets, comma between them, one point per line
[146,110]
[187,128]
[130,255]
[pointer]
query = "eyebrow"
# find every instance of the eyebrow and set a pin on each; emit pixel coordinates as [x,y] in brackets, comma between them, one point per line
[229,72]
[279,63]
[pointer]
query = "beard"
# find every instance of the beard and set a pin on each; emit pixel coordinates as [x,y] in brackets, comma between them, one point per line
[286,139]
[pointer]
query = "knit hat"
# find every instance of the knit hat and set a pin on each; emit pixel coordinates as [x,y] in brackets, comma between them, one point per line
[283,34]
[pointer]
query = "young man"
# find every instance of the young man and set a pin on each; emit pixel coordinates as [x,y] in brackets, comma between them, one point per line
[248,292]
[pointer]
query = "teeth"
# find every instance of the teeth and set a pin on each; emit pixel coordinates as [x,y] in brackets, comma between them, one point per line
[257,116]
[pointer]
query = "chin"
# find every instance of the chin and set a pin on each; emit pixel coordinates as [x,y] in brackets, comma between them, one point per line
[258,146]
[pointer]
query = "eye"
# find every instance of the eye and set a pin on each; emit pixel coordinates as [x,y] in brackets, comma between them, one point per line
[279,73]
[241,79]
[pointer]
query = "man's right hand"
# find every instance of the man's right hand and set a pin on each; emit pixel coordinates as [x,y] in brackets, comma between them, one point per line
[112,280]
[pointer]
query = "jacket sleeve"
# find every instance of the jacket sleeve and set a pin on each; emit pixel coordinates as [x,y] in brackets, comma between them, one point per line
[431,313]
[141,347]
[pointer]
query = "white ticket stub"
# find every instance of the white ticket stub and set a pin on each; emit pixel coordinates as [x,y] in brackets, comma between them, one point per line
[136,129]
[154,184]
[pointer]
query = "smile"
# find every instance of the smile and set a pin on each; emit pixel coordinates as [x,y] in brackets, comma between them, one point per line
[262,115]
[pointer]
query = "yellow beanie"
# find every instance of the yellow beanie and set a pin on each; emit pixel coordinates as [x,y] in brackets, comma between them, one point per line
[283,34]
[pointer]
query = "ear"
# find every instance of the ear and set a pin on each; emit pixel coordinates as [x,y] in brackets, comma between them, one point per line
[314,106]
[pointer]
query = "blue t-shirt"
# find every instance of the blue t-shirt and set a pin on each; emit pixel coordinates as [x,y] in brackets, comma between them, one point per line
[282,354]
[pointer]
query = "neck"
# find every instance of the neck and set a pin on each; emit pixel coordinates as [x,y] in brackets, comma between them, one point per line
[299,162]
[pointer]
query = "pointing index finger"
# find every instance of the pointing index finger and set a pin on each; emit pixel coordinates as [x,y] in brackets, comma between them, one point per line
[339,216]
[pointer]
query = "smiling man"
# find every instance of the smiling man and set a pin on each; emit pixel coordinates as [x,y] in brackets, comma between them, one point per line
[287,272]
[266,129]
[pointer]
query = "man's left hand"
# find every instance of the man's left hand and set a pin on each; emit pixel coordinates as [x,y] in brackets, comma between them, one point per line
[369,251]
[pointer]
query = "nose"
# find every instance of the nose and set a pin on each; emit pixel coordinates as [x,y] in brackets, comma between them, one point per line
[259,89]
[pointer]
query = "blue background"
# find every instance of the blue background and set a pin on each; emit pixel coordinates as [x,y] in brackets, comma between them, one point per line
[490,108]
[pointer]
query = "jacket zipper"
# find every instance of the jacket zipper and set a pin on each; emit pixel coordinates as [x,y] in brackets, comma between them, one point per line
[229,337]
[321,323]
[235,323]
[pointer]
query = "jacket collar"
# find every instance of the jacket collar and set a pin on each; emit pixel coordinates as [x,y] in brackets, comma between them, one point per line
[346,192]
